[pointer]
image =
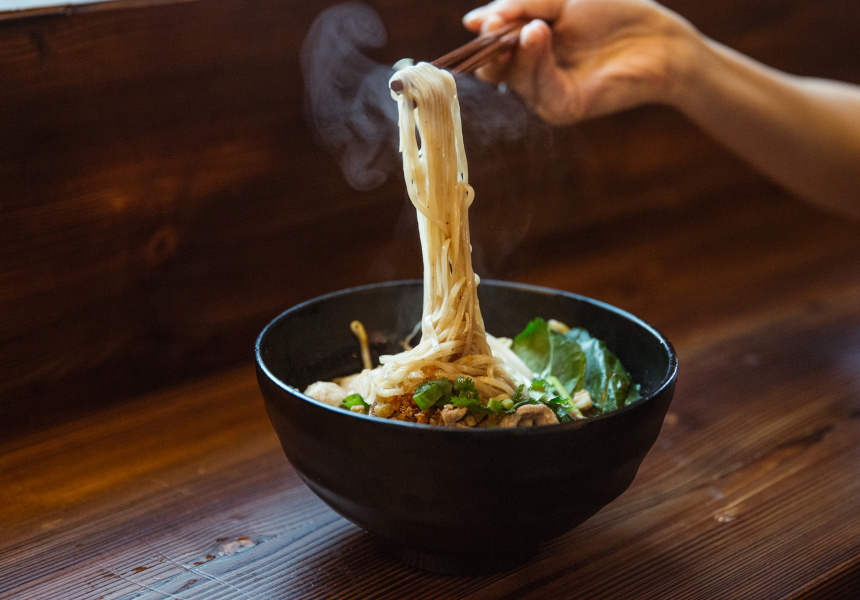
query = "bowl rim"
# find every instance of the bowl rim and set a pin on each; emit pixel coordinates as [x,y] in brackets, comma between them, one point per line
[668,379]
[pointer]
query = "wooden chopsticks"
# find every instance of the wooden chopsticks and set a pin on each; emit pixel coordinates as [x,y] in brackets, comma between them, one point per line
[481,50]
[476,53]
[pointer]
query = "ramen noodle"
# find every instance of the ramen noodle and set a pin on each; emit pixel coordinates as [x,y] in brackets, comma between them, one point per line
[457,374]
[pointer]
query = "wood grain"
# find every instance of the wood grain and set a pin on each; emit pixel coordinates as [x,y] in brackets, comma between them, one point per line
[164,197]
[751,490]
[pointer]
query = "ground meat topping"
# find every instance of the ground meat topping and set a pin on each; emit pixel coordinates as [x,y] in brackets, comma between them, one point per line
[451,415]
[528,415]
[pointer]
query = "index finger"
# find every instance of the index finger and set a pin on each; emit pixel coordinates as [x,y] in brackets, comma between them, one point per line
[511,10]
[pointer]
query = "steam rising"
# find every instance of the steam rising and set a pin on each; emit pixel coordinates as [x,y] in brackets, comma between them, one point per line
[349,105]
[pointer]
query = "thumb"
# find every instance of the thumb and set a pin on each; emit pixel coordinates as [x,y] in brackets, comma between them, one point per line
[535,76]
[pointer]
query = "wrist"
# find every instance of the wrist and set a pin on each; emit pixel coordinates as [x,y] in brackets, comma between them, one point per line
[690,58]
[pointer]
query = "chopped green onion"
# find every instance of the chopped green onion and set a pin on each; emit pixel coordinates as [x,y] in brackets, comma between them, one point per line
[354,400]
[495,406]
[428,394]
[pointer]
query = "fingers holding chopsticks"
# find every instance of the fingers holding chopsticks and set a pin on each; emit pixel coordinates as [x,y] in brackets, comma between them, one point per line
[533,38]
[583,58]
[532,71]
[530,68]
[501,11]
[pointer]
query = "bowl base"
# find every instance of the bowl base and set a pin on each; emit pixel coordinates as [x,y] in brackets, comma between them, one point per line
[484,563]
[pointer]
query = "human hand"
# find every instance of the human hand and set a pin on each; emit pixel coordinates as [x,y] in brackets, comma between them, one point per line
[596,57]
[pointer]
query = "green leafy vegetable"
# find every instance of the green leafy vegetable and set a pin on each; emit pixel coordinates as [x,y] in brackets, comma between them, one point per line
[565,397]
[518,397]
[538,385]
[460,401]
[558,387]
[548,352]
[572,361]
[606,379]
[465,388]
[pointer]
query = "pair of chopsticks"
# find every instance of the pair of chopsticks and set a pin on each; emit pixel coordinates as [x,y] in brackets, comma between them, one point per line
[481,50]
[476,53]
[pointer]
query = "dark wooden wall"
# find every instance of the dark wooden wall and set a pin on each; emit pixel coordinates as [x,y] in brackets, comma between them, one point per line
[163,196]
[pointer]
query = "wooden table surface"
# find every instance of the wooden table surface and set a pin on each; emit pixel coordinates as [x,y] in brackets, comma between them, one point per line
[752,489]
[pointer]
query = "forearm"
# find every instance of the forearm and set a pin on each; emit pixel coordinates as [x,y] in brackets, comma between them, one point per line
[803,133]
[602,56]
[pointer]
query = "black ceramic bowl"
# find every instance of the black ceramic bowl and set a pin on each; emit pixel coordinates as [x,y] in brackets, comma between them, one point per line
[457,500]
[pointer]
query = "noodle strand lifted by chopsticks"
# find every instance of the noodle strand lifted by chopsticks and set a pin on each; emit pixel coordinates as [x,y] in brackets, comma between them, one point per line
[453,341]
